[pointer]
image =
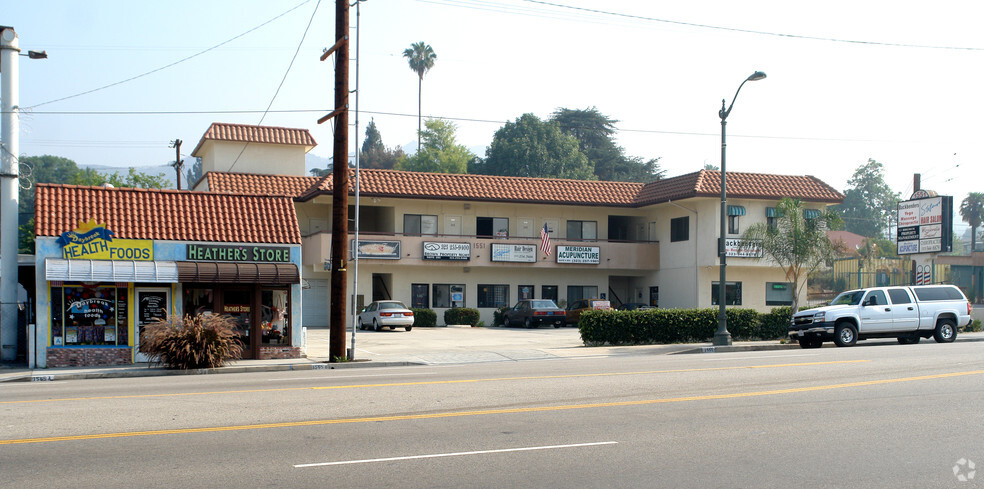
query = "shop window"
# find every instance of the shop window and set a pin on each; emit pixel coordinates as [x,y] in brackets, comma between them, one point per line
[88,315]
[416,224]
[578,292]
[526,292]
[732,293]
[448,295]
[680,229]
[549,292]
[582,230]
[274,320]
[492,227]
[779,293]
[419,296]
[493,295]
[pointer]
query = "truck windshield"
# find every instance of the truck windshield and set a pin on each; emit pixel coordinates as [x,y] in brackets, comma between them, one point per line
[849,298]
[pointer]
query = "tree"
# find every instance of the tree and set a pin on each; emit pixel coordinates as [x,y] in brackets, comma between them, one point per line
[374,153]
[531,147]
[440,152]
[797,244]
[194,174]
[972,211]
[595,133]
[869,203]
[420,56]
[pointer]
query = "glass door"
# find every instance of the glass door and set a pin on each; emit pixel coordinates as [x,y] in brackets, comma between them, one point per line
[153,303]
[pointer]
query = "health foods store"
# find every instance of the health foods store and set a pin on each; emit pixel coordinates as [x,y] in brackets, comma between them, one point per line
[99,292]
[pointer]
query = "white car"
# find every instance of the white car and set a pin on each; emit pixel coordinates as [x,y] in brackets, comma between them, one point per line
[386,314]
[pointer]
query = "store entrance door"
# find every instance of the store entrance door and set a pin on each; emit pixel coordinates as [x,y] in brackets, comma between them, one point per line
[238,303]
[153,303]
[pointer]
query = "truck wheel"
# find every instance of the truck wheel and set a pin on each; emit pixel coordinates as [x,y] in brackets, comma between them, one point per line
[845,335]
[811,343]
[945,331]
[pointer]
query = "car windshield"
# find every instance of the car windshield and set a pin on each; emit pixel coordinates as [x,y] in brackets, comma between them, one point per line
[392,305]
[544,304]
[849,298]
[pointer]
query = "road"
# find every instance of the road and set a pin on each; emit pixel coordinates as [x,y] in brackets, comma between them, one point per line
[877,415]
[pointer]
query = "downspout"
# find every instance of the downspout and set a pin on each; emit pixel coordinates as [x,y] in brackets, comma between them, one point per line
[696,251]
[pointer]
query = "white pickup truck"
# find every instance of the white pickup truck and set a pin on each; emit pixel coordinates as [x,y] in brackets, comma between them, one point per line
[907,313]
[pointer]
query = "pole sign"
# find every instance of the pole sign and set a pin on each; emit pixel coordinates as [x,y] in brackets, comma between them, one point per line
[925,225]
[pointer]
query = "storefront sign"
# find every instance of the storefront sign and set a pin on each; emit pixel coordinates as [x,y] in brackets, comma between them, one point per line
[447,251]
[386,250]
[240,253]
[514,253]
[742,248]
[93,241]
[925,225]
[590,255]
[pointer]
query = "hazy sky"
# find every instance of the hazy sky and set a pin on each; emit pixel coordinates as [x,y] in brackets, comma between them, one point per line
[896,81]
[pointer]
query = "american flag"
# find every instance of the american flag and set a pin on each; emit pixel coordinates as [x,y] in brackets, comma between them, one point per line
[545,240]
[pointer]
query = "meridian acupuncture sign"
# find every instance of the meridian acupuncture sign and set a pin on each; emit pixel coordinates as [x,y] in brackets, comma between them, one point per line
[925,225]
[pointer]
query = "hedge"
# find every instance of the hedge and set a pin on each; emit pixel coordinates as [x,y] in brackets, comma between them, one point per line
[462,315]
[424,317]
[660,326]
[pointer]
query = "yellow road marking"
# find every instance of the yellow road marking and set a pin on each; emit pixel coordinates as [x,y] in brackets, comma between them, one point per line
[454,414]
[433,382]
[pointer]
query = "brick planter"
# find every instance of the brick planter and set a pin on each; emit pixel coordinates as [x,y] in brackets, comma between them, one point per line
[89,357]
[277,352]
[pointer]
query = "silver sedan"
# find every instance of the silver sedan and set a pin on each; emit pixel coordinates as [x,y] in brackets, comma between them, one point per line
[386,314]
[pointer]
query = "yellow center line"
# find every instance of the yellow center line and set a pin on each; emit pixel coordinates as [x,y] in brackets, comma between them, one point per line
[453,414]
[434,382]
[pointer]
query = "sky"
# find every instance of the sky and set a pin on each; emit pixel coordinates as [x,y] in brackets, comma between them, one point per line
[894,81]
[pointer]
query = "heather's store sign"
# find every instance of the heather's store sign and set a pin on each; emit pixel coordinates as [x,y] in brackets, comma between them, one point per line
[92,241]
[925,225]
[447,251]
[234,253]
[514,253]
[590,255]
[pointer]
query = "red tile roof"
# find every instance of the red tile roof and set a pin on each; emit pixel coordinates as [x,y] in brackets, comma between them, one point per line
[444,186]
[256,134]
[172,215]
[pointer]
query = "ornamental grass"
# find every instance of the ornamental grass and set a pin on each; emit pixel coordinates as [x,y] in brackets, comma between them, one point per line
[190,342]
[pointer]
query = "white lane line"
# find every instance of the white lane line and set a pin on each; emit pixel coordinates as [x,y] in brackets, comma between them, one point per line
[760,356]
[456,454]
[333,377]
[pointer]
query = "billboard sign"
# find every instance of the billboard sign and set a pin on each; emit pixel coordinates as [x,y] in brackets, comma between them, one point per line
[925,225]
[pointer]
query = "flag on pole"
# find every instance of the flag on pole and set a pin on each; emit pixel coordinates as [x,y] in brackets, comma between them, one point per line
[545,240]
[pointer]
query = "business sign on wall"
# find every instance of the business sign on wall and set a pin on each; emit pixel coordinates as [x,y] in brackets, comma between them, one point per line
[514,253]
[589,255]
[238,253]
[925,225]
[93,241]
[742,248]
[386,250]
[447,251]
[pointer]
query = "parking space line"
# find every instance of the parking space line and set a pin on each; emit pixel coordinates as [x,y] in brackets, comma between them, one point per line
[455,454]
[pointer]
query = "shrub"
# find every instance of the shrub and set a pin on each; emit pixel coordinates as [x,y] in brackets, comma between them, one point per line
[974,326]
[497,318]
[202,341]
[775,324]
[424,317]
[678,325]
[462,315]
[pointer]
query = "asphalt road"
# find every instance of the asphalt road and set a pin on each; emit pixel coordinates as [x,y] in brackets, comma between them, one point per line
[877,415]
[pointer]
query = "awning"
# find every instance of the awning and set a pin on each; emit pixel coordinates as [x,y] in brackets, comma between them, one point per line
[811,213]
[56,269]
[736,210]
[242,273]
[772,212]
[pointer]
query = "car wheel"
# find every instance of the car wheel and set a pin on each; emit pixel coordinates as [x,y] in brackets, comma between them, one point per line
[945,331]
[505,322]
[361,326]
[811,343]
[528,323]
[909,340]
[845,335]
[408,328]
[375,325]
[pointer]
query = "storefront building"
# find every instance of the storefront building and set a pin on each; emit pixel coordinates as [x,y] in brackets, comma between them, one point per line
[110,261]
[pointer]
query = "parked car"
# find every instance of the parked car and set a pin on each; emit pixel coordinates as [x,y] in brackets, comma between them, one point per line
[532,313]
[574,309]
[385,314]
[633,306]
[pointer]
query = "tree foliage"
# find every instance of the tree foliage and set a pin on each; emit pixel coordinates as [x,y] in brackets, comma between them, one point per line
[194,174]
[595,133]
[374,153]
[796,244]
[869,203]
[440,152]
[972,212]
[531,147]
[420,56]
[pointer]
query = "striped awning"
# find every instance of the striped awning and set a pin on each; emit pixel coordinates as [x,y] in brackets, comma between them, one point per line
[772,212]
[56,269]
[736,210]
[239,273]
[811,213]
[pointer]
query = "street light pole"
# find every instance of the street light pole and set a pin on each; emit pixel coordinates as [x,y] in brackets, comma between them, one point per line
[722,337]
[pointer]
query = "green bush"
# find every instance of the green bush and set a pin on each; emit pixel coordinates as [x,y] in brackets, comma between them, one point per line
[202,341]
[973,327]
[497,318]
[662,326]
[424,317]
[462,315]
[775,324]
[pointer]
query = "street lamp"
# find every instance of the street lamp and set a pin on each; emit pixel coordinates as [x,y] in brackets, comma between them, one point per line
[722,337]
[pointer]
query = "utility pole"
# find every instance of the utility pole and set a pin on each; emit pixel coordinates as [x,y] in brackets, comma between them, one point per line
[176,144]
[339,194]
[9,169]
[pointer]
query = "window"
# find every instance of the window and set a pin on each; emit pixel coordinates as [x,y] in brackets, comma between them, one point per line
[449,295]
[492,227]
[733,227]
[416,224]
[274,318]
[526,292]
[419,296]
[88,315]
[578,292]
[779,293]
[680,229]
[732,293]
[549,292]
[493,295]
[582,230]
[875,298]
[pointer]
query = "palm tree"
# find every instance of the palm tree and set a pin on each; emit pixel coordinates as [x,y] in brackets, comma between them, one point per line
[972,211]
[421,58]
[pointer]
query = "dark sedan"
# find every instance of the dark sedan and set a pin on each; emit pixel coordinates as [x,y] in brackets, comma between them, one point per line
[533,313]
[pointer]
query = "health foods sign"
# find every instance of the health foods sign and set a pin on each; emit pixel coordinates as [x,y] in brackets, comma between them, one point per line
[240,253]
[589,255]
[93,241]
